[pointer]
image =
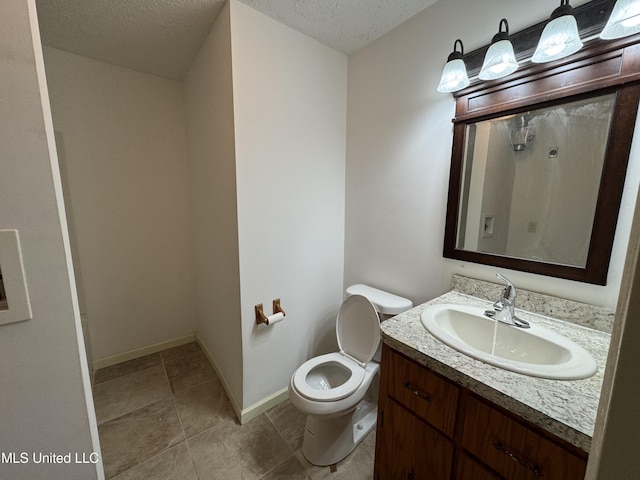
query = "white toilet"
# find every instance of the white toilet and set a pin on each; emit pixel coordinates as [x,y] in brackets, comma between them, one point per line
[339,391]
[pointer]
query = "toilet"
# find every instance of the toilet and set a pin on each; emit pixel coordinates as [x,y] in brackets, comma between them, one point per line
[339,391]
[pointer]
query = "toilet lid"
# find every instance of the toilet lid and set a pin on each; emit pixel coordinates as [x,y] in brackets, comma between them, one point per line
[358,328]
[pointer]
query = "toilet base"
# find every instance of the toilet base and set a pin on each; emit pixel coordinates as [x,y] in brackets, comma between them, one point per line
[329,440]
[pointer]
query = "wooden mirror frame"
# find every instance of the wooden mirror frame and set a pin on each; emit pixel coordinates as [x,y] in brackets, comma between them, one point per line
[601,67]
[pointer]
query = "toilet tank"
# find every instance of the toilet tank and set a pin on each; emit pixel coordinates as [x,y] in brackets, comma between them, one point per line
[387,304]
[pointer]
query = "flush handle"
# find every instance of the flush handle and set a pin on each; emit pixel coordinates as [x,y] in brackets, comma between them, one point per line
[417,392]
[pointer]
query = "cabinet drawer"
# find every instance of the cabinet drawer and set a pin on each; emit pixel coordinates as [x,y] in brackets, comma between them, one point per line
[429,396]
[468,469]
[513,450]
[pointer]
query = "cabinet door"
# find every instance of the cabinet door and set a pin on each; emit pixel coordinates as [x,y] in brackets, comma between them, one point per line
[513,450]
[410,449]
[470,470]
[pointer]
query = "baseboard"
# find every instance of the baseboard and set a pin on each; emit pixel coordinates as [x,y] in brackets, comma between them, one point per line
[263,405]
[141,352]
[234,404]
[243,415]
[254,410]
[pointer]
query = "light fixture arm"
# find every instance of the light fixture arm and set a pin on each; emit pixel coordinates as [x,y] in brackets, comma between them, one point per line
[456,55]
[563,9]
[501,35]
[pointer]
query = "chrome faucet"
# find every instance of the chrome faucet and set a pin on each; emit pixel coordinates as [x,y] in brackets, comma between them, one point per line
[503,309]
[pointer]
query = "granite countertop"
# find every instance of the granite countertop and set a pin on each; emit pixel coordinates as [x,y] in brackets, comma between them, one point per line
[565,408]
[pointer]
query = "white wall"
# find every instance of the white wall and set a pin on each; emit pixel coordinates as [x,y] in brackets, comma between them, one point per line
[473,186]
[399,150]
[497,190]
[209,98]
[289,96]
[45,395]
[123,152]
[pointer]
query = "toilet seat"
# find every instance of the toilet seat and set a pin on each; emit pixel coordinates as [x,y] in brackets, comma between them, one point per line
[353,370]
[358,332]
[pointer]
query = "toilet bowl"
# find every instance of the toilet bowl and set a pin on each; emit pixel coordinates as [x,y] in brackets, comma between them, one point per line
[339,391]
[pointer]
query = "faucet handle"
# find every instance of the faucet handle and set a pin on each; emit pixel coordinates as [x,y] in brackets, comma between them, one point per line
[509,292]
[506,293]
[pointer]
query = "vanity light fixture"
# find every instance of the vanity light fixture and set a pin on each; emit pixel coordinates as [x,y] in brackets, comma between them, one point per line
[560,37]
[454,75]
[624,20]
[500,60]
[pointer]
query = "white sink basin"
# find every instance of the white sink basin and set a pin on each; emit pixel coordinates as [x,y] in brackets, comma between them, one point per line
[535,351]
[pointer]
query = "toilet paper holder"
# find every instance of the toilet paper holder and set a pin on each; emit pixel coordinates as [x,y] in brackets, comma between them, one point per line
[262,318]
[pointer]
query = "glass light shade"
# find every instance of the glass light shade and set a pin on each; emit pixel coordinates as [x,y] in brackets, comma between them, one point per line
[559,39]
[499,61]
[454,76]
[624,20]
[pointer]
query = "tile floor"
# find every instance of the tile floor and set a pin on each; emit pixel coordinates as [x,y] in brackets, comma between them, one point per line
[166,416]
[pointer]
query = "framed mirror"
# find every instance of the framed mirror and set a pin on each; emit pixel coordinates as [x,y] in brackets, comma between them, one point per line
[539,163]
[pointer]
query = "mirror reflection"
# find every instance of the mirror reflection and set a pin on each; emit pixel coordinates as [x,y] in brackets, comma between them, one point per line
[531,181]
[3,295]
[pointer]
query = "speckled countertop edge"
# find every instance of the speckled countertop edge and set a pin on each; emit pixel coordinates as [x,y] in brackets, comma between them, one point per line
[565,408]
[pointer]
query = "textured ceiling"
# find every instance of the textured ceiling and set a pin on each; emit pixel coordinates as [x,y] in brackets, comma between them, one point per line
[162,37]
[346,25]
[154,36]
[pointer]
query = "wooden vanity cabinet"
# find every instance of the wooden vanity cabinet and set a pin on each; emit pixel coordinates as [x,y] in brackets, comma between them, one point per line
[417,422]
[514,450]
[431,428]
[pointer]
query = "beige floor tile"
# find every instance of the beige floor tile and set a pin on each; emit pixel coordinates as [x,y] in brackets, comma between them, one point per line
[290,469]
[180,351]
[203,406]
[289,422]
[136,437]
[149,442]
[125,394]
[189,371]
[125,368]
[172,464]
[230,451]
